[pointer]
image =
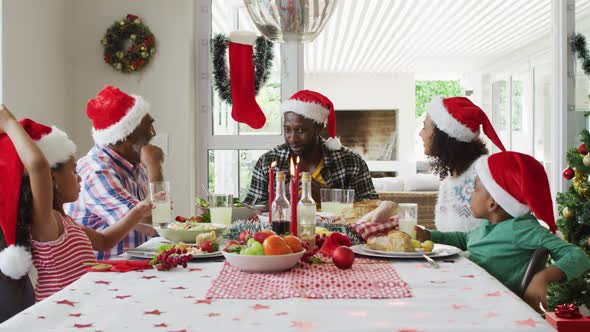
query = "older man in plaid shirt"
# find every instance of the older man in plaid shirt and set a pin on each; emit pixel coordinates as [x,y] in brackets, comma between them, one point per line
[116,171]
[331,165]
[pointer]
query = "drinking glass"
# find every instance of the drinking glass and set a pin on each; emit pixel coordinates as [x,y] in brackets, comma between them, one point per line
[347,201]
[408,218]
[160,197]
[220,208]
[331,200]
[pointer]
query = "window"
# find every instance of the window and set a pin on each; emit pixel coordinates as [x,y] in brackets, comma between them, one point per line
[233,148]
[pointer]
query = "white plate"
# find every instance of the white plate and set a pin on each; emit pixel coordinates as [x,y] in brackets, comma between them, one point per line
[416,253]
[440,250]
[150,254]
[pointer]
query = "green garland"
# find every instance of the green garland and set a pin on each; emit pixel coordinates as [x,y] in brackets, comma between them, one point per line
[139,53]
[263,56]
[578,44]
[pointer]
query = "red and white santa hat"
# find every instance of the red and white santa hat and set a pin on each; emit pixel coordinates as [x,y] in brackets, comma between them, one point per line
[115,114]
[460,118]
[317,107]
[518,183]
[15,260]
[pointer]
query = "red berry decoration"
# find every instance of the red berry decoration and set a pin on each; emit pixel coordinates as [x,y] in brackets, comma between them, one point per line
[582,149]
[343,257]
[568,173]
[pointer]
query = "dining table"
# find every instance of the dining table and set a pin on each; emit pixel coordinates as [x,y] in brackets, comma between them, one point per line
[457,296]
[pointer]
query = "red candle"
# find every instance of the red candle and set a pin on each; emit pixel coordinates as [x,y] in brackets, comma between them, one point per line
[294,189]
[271,189]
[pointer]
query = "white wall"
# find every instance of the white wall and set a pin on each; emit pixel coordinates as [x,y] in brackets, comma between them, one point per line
[52,61]
[376,91]
[34,80]
[167,83]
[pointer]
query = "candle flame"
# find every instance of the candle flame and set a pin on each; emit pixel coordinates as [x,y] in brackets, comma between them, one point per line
[273,164]
[291,167]
[297,159]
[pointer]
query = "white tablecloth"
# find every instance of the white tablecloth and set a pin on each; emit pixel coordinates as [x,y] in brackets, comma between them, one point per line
[460,296]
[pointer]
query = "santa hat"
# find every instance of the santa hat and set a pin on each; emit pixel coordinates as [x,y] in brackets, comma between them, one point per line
[459,118]
[317,107]
[115,114]
[15,260]
[518,183]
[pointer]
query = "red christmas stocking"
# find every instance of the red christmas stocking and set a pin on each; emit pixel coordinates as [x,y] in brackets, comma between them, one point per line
[245,109]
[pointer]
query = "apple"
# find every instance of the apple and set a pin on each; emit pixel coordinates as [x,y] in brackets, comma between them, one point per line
[262,235]
[343,257]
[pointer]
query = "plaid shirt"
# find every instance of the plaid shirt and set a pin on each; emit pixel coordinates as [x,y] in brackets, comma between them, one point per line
[111,186]
[342,169]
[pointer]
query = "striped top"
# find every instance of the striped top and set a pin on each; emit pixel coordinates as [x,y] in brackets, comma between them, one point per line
[111,187]
[60,262]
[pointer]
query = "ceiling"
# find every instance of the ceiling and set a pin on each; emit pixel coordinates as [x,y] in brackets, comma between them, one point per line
[388,36]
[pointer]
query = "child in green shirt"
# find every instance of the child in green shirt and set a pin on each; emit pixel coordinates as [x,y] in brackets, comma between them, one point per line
[508,186]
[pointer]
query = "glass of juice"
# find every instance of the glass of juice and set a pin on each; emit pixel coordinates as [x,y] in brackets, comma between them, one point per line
[408,218]
[160,197]
[220,207]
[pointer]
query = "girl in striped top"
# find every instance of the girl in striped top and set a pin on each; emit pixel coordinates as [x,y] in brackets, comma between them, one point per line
[59,245]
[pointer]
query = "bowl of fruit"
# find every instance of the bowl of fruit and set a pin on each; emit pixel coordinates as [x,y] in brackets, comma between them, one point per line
[265,252]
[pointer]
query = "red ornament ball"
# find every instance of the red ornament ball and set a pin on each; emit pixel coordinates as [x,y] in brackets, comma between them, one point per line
[568,173]
[582,149]
[343,257]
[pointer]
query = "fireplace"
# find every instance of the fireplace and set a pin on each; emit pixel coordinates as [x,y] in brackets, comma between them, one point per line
[370,133]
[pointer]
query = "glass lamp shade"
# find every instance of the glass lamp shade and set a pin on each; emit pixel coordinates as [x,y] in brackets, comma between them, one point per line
[285,21]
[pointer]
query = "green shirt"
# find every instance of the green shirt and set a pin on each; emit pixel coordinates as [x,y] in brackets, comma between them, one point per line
[504,249]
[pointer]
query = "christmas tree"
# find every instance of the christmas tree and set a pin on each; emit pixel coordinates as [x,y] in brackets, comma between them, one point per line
[574,222]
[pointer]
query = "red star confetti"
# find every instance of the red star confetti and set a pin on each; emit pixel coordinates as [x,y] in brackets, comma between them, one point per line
[161,325]
[204,301]
[529,322]
[408,330]
[178,288]
[66,302]
[468,276]
[148,277]
[260,307]
[213,314]
[114,289]
[284,313]
[496,293]
[189,297]
[459,306]
[102,282]
[75,315]
[302,325]
[41,317]
[153,312]
[193,269]
[360,313]
[83,326]
[491,315]
[183,330]
[121,297]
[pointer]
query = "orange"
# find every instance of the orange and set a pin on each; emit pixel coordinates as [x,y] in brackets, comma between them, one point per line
[275,245]
[293,242]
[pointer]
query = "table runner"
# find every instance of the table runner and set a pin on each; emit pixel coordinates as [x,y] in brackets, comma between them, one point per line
[367,279]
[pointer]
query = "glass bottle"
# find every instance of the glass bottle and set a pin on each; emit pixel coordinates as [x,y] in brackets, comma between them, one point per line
[306,209]
[281,209]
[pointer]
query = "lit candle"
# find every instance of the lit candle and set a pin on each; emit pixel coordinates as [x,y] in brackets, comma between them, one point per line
[294,189]
[271,189]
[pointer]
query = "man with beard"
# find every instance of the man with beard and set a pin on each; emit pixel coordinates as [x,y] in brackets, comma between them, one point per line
[117,171]
[331,164]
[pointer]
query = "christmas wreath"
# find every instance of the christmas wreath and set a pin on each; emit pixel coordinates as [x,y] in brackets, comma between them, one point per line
[263,56]
[128,44]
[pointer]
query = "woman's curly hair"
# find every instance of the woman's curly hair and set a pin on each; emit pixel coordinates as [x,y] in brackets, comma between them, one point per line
[449,155]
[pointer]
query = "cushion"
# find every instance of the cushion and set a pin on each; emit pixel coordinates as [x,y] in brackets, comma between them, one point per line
[422,182]
[388,184]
